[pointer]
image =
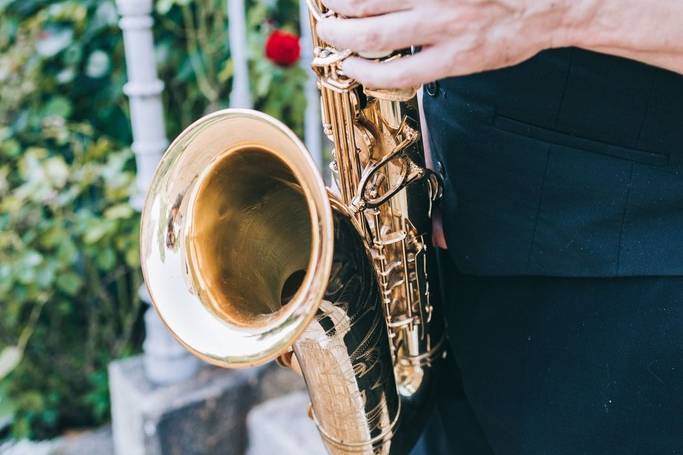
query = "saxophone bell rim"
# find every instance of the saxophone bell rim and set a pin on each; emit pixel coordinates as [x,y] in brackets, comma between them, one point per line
[165,240]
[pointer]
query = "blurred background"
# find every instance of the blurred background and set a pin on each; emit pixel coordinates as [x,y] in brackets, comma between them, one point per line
[69,269]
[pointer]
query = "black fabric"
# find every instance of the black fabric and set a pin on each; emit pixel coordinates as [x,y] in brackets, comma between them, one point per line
[570,164]
[557,365]
[563,211]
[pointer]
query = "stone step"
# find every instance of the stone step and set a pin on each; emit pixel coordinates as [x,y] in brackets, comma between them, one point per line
[282,426]
[204,415]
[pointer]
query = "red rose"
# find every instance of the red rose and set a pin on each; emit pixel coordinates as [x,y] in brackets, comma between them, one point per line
[282,48]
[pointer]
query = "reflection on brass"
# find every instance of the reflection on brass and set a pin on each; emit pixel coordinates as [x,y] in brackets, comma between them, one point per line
[247,256]
[248,207]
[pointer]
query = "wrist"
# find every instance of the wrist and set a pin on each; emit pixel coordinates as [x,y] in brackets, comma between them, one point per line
[575,27]
[555,23]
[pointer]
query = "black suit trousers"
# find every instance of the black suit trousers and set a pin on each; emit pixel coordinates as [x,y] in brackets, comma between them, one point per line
[557,365]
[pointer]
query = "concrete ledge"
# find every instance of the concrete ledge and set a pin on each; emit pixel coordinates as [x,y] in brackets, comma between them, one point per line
[281,426]
[204,415]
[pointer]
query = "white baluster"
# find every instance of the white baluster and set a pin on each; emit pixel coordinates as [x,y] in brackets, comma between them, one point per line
[312,122]
[165,360]
[240,97]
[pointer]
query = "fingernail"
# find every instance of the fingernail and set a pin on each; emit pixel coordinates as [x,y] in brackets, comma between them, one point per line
[374,55]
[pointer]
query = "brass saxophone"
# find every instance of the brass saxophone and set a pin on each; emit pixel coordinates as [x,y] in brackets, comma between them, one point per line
[249,258]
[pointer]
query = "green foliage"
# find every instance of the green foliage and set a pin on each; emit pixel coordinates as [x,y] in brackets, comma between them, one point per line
[69,270]
[194,60]
[68,238]
[278,91]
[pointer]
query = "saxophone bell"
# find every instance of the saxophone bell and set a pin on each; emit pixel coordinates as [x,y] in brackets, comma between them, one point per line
[245,255]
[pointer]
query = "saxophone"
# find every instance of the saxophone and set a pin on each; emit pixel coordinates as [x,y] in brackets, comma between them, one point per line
[248,257]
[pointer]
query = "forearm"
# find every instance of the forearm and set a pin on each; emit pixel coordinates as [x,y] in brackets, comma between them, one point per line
[650,31]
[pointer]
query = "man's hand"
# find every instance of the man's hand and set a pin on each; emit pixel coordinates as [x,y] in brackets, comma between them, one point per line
[460,37]
[457,36]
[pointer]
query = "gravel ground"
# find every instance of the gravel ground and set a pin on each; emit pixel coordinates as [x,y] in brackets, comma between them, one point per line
[87,443]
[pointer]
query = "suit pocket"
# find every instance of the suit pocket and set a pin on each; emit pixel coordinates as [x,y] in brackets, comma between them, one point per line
[513,126]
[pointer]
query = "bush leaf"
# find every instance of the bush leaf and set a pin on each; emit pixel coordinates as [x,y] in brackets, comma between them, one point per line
[69,282]
[10,357]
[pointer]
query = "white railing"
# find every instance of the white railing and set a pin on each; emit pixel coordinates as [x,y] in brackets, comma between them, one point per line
[165,361]
[312,123]
[241,93]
